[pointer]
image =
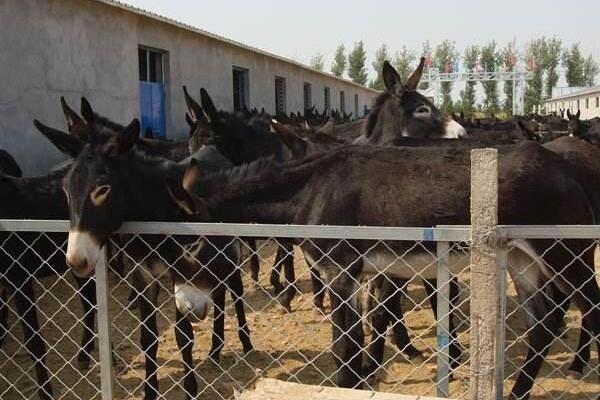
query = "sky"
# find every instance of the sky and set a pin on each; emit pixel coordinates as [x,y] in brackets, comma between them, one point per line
[301,29]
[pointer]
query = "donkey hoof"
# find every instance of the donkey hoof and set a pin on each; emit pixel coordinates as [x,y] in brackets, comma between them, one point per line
[411,352]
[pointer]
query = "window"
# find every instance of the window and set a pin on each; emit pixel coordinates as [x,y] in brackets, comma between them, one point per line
[326,99]
[355,106]
[240,88]
[597,102]
[342,102]
[151,65]
[587,103]
[578,106]
[307,96]
[280,95]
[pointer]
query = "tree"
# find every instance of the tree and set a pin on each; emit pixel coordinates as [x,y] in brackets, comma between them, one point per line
[467,96]
[550,63]
[445,57]
[573,61]
[509,60]
[534,55]
[489,62]
[339,61]
[590,71]
[403,62]
[427,53]
[356,64]
[381,55]
[317,62]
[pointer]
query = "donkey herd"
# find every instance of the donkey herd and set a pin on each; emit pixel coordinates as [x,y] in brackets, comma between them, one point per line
[405,165]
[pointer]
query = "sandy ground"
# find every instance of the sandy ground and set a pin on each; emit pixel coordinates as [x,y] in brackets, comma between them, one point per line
[292,347]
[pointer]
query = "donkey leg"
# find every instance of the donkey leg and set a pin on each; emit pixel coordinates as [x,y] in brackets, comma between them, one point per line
[147,300]
[396,315]
[275,277]
[3,315]
[236,288]
[455,349]
[87,295]
[379,324]
[254,262]
[546,322]
[27,309]
[184,335]
[318,288]
[582,354]
[347,332]
[218,333]
[290,277]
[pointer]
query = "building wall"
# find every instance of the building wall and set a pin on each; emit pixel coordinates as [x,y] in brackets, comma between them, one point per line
[589,104]
[74,48]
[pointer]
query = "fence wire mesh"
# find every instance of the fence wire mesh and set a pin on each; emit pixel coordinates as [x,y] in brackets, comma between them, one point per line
[288,315]
[544,317]
[290,336]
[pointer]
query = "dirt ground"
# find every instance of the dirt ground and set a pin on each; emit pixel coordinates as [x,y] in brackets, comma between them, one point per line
[292,347]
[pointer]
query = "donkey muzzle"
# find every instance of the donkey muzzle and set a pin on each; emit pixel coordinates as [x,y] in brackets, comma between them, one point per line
[83,252]
[192,301]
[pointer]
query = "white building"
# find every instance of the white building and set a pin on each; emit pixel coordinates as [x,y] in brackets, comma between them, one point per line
[586,100]
[131,63]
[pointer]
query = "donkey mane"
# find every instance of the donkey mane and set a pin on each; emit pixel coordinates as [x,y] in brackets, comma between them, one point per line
[374,114]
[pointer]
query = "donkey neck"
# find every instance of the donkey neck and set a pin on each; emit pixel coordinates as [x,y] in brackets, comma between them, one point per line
[144,179]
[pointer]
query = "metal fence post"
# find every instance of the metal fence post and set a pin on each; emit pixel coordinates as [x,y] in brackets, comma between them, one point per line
[104,325]
[443,320]
[484,220]
[502,264]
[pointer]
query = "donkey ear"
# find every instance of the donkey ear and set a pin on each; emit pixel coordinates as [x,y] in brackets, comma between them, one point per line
[210,111]
[182,198]
[192,174]
[413,80]
[86,111]
[391,78]
[189,120]
[124,141]
[578,114]
[66,143]
[328,128]
[73,119]
[569,114]
[194,108]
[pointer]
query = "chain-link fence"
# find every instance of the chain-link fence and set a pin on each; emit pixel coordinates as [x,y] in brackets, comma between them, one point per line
[284,305]
[270,312]
[545,311]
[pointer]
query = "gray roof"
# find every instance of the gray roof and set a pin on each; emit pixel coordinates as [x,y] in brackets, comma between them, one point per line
[181,25]
[590,90]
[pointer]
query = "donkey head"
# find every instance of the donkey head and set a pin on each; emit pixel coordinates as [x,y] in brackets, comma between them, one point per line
[200,133]
[183,194]
[575,128]
[95,192]
[402,111]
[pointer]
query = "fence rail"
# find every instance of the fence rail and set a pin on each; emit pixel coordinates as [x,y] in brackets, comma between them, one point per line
[295,346]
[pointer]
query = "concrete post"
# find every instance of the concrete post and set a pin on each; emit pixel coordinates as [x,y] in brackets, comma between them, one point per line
[484,218]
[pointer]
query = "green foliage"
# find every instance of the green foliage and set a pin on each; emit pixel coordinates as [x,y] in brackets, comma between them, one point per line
[470,57]
[404,62]
[551,60]
[356,64]
[489,60]
[317,62]
[446,54]
[339,61]
[508,56]
[590,71]
[381,55]
[535,52]
[573,61]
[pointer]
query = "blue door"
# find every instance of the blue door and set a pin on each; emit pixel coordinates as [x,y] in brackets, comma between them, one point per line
[152,109]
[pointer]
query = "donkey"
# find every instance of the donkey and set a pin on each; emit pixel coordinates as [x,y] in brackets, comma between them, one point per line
[109,182]
[8,165]
[351,185]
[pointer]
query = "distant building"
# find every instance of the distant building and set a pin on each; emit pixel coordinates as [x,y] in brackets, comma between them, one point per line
[586,100]
[132,63]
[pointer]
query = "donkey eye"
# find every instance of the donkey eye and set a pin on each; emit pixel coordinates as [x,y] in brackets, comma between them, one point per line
[422,111]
